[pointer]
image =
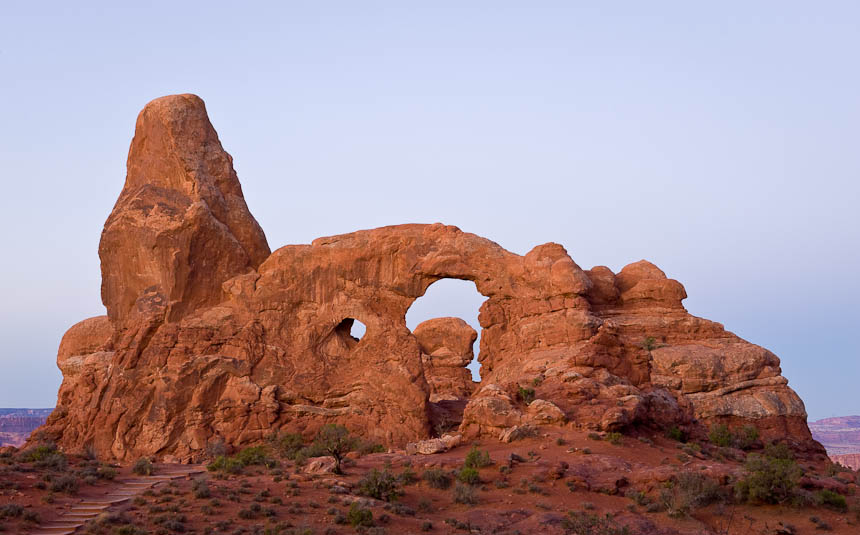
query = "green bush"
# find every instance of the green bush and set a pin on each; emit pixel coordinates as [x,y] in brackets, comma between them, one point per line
[477,458]
[465,494]
[526,395]
[746,437]
[436,478]
[721,436]
[469,476]
[649,343]
[769,478]
[831,499]
[358,516]
[287,445]
[227,465]
[380,485]
[255,455]
[38,453]
[615,438]
[143,467]
[366,448]
[676,433]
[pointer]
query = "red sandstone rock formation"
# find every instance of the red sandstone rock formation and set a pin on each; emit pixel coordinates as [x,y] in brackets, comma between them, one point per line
[208,336]
[446,349]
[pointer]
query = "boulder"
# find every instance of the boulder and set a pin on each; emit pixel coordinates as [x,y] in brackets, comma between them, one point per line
[517,432]
[433,445]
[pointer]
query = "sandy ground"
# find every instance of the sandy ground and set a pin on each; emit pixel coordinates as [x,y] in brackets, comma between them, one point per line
[559,472]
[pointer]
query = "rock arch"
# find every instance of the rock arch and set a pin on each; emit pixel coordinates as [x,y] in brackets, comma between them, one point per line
[206,341]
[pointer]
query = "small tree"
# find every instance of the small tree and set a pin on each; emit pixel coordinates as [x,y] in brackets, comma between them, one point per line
[649,344]
[334,440]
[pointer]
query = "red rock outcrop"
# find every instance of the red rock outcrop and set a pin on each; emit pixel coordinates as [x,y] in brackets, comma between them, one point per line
[446,349]
[209,336]
[180,227]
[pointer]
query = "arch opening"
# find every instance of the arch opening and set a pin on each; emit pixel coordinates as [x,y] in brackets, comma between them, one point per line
[445,323]
[451,298]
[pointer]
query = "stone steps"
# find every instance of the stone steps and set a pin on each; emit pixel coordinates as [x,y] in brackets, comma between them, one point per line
[86,510]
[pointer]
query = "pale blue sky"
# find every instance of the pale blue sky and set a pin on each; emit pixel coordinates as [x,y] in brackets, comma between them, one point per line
[719,142]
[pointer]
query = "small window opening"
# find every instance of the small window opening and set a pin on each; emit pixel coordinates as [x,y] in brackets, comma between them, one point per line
[352,328]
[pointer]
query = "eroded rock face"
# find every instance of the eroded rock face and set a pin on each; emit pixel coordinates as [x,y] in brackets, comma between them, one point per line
[180,227]
[210,337]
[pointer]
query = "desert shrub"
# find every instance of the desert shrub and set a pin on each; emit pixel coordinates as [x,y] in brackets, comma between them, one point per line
[769,478]
[380,485]
[11,510]
[38,453]
[287,445]
[469,476]
[366,448]
[746,437]
[53,461]
[831,499]
[778,451]
[106,472]
[581,523]
[253,511]
[255,455]
[594,436]
[676,433]
[615,438]
[200,487]
[689,491]
[359,516]
[477,458]
[31,516]
[526,395]
[720,435]
[638,497]
[436,478]
[143,467]
[407,476]
[65,483]
[334,440]
[227,465]
[465,494]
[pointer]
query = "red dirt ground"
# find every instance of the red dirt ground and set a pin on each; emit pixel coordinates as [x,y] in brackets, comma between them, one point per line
[534,497]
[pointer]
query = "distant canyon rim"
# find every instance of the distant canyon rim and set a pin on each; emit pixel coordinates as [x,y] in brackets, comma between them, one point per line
[210,336]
